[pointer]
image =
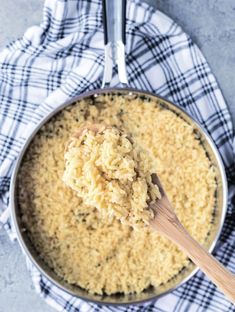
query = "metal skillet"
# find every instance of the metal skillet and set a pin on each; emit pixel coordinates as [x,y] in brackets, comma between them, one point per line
[114,29]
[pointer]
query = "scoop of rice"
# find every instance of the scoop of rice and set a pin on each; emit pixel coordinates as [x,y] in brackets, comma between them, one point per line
[111,173]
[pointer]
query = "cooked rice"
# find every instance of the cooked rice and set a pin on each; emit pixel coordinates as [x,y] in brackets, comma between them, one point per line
[107,256]
[111,173]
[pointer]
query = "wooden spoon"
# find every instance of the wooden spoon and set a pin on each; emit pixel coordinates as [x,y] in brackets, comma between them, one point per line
[166,222]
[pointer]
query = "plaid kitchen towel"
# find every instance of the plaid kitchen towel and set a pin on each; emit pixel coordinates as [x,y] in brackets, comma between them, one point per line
[64,57]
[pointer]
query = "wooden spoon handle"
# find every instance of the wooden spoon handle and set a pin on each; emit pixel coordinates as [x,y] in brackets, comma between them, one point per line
[221,277]
[166,222]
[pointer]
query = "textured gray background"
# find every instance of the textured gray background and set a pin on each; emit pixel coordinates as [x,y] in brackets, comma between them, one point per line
[211,23]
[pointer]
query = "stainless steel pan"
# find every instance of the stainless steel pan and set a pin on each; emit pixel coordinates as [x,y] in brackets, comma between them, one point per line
[114,21]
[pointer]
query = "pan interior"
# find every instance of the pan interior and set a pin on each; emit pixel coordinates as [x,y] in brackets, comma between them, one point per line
[187,272]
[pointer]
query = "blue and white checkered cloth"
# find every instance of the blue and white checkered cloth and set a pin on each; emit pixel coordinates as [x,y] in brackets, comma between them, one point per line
[64,57]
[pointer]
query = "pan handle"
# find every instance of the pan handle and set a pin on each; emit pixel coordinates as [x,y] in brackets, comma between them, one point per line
[114,20]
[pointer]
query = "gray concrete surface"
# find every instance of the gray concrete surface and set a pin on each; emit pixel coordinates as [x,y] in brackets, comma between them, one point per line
[211,24]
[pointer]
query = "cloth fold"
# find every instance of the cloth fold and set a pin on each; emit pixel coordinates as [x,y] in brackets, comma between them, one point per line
[64,57]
